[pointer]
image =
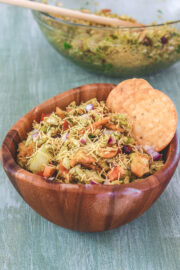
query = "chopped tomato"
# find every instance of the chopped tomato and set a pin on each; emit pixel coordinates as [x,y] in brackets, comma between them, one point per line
[44,115]
[40,173]
[65,125]
[106,10]
[49,171]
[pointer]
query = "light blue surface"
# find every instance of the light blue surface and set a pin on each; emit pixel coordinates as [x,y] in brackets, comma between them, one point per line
[31,72]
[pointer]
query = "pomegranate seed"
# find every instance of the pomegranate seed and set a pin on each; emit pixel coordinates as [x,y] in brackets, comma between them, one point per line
[65,125]
[127,149]
[164,40]
[147,41]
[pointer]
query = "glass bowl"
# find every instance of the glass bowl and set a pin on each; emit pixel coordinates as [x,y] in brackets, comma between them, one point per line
[118,52]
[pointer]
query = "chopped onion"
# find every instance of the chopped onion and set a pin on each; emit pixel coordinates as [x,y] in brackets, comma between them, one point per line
[156,156]
[82,140]
[64,137]
[85,115]
[51,178]
[106,182]
[93,183]
[35,135]
[111,140]
[89,107]
[108,132]
[138,147]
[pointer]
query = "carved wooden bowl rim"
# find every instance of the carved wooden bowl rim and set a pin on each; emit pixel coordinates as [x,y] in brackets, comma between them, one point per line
[16,172]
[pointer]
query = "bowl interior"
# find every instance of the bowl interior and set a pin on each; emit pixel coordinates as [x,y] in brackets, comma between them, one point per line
[147,12]
[83,93]
[100,91]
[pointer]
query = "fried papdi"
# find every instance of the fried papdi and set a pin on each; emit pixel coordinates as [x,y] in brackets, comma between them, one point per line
[152,112]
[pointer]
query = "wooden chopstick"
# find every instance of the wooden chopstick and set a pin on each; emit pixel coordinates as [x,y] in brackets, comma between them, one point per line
[70,13]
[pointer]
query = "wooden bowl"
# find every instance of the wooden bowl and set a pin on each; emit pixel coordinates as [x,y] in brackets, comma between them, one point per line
[80,207]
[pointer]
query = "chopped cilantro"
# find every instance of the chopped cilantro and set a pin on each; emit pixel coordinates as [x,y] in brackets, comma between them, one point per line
[67,46]
[91,136]
[159,11]
[70,121]
[174,34]
[178,49]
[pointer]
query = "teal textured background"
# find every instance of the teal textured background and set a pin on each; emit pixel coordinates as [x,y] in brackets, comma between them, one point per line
[31,72]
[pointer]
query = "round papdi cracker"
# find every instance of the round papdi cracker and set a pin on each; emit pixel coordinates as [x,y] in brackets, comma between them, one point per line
[126,87]
[152,112]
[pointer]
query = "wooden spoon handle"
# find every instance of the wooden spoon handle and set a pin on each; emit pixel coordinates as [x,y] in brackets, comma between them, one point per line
[70,13]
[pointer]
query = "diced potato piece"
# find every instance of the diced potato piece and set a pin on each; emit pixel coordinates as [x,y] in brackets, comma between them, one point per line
[115,173]
[60,112]
[39,160]
[66,163]
[108,152]
[52,120]
[82,158]
[49,171]
[64,173]
[139,164]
